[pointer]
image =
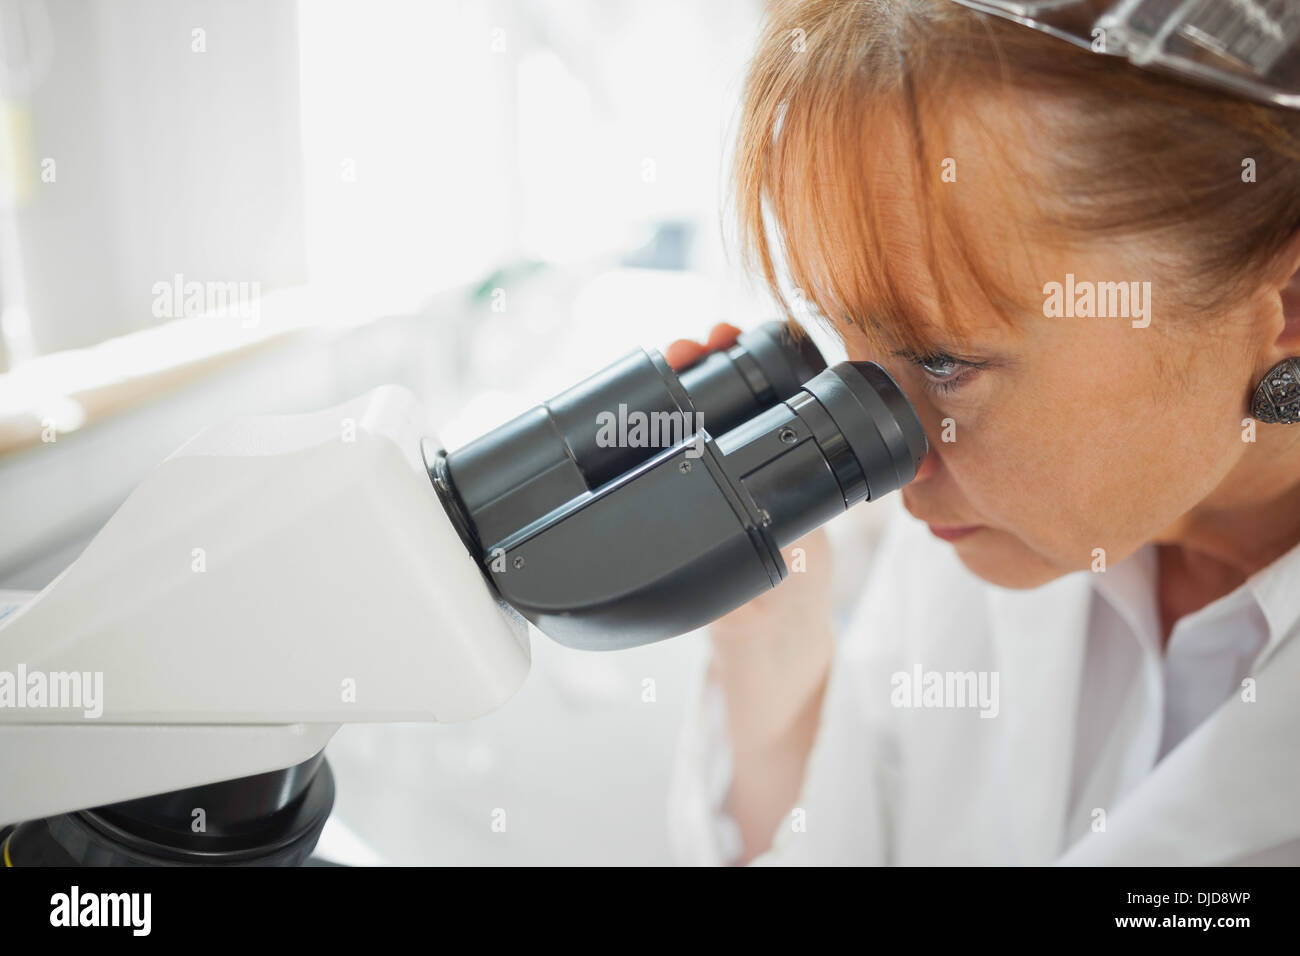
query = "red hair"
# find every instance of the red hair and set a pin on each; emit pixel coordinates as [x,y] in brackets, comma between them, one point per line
[1126,152]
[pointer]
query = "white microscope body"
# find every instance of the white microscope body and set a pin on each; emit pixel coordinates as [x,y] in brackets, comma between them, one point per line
[271,580]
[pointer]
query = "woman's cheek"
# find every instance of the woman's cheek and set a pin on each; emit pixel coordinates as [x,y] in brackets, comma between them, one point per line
[1010,466]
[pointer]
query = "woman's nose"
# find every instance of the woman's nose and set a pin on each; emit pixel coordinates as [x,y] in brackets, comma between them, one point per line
[929,464]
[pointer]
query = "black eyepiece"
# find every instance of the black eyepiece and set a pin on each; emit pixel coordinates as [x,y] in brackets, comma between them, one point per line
[876,421]
[641,503]
[848,435]
[566,446]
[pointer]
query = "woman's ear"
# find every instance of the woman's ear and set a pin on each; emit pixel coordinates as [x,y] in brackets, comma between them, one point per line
[1287,285]
[1289,340]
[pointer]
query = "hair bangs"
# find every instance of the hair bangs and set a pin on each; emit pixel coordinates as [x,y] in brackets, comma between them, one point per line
[870,236]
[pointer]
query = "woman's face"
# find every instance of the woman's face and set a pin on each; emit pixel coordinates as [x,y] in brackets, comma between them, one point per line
[1074,433]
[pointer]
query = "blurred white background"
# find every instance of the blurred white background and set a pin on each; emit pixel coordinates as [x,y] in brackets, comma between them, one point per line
[482,201]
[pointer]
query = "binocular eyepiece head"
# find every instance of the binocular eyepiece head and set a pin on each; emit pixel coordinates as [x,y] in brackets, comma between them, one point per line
[643,503]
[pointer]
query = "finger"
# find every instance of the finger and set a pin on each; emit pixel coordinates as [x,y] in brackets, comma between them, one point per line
[722,336]
[684,353]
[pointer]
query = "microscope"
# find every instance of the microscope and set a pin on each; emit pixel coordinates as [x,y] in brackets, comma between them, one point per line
[167,699]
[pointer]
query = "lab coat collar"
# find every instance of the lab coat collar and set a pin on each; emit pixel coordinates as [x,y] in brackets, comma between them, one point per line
[1277,589]
[1130,588]
[1228,792]
[1230,788]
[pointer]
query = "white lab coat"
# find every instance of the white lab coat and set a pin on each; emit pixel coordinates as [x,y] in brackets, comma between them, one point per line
[895,785]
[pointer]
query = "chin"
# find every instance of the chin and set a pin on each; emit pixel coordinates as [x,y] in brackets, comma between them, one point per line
[1000,559]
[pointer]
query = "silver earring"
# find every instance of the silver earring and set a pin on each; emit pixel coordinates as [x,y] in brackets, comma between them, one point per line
[1277,397]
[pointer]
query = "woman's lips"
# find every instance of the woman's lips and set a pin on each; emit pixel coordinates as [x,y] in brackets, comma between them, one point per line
[954,533]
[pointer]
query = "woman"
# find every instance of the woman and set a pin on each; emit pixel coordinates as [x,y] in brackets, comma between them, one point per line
[1079,646]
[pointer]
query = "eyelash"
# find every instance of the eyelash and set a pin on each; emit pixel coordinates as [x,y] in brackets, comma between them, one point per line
[945,386]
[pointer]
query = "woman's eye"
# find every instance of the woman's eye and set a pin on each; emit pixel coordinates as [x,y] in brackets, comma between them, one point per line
[940,366]
[944,373]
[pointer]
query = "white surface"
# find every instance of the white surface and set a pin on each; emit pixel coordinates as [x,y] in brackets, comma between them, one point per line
[578,760]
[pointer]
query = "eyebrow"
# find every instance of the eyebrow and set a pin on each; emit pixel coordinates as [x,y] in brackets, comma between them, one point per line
[938,334]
